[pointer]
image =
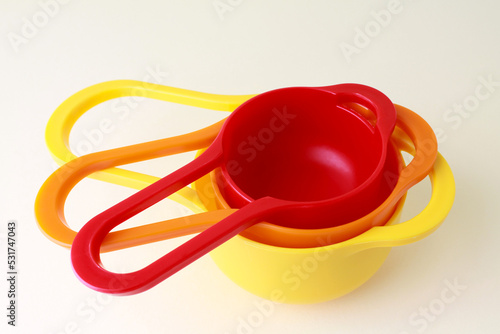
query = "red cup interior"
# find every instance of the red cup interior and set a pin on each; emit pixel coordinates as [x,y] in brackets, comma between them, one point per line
[307,147]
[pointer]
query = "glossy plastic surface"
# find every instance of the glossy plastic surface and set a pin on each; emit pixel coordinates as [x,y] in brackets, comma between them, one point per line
[49,206]
[312,275]
[49,203]
[308,147]
[410,126]
[366,148]
[66,115]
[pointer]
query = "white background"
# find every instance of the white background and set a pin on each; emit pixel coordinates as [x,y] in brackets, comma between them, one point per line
[428,56]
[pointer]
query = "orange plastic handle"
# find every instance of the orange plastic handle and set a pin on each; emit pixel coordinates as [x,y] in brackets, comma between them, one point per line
[49,204]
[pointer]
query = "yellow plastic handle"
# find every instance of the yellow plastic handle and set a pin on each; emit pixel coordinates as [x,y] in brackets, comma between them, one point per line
[65,116]
[420,226]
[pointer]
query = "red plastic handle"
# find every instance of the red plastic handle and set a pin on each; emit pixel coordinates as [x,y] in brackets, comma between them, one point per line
[86,259]
[371,98]
[85,251]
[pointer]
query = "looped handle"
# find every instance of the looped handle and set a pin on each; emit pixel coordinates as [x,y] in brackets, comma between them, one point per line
[424,148]
[49,203]
[66,115]
[417,228]
[372,99]
[85,251]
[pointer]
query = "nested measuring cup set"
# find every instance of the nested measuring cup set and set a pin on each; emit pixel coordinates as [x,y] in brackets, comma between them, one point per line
[300,177]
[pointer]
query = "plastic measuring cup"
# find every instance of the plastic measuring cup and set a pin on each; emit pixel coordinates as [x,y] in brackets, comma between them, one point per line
[409,126]
[50,201]
[318,274]
[49,205]
[365,147]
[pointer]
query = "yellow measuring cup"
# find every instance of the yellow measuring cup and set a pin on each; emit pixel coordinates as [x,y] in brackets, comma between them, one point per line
[318,274]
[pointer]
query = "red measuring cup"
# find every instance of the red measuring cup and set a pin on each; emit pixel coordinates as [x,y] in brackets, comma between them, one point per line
[325,162]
